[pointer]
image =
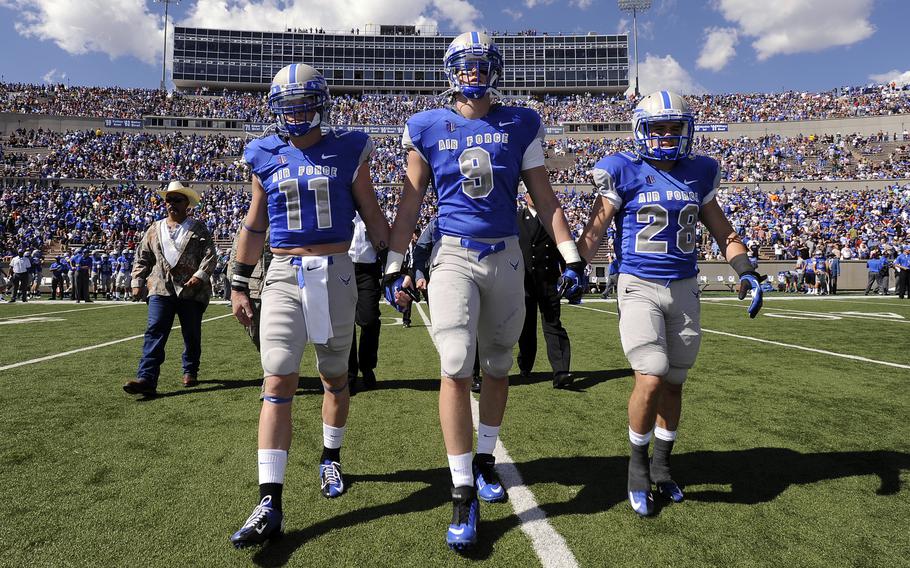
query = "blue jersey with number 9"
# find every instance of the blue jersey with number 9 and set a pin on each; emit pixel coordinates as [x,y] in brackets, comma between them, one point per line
[476,165]
[310,198]
[657,212]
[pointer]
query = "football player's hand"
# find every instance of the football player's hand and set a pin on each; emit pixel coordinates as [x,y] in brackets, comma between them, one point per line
[241,307]
[572,283]
[752,281]
[398,291]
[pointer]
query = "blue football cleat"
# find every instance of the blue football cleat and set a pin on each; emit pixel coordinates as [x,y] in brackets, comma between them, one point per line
[670,490]
[489,488]
[462,533]
[642,502]
[263,524]
[330,476]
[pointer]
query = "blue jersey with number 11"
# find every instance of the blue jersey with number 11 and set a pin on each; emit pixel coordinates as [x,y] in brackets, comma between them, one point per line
[310,198]
[656,212]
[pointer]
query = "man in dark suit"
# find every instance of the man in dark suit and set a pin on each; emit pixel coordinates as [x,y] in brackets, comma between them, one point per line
[543,266]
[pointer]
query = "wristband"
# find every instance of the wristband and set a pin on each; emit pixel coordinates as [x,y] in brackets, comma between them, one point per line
[394,262]
[255,231]
[569,252]
[740,263]
[241,269]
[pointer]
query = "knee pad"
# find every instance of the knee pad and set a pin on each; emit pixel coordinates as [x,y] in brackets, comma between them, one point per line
[496,360]
[279,361]
[334,365]
[676,375]
[649,361]
[456,359]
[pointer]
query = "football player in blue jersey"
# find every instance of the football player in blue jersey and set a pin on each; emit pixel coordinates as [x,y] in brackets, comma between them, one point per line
[306,187]
[656,196]
[475,152]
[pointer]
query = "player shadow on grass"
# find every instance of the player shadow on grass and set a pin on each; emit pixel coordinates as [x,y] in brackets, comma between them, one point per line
[435,494]
[756,475]
[205,385]
[583,380]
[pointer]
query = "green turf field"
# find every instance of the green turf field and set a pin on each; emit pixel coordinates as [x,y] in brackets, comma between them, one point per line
[789,457]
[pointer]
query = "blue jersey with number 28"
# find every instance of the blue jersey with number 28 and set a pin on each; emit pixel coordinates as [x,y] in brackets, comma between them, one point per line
[310,199]
[476,165]
[657,212]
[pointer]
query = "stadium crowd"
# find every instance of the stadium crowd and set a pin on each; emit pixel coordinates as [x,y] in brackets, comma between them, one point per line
[95,154]
[113,217]
[116,102]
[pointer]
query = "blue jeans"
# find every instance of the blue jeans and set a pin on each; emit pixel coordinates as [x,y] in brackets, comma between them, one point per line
[161,318]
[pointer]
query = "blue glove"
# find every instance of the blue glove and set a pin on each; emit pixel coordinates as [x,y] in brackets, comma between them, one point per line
[393,283]
[572,283]
[751,281]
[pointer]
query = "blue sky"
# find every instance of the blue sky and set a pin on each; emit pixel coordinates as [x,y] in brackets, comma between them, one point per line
[716,46]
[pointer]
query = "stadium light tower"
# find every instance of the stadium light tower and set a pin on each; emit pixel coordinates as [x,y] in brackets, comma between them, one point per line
[167,4]
[634,7]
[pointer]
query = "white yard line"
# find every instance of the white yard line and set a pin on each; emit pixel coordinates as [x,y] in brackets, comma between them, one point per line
[781,344]
[549,545]
[90,347]
[63,311]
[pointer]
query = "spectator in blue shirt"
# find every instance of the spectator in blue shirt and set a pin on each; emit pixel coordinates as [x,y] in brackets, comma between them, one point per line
[902,272]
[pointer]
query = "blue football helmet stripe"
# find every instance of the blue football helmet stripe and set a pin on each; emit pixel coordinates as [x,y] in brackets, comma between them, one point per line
[665,96]
[474,38]
[292,74]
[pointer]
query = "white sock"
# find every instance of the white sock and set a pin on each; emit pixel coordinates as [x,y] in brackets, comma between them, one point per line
[639,439]
[460,468]
[332,436]
[272,464]
[665,435]
[486,438]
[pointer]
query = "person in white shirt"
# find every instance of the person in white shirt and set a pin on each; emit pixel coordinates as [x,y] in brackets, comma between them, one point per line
[367,272]
[18,274]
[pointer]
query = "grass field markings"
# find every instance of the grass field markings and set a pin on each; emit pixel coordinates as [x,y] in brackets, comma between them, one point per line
[883,316]
[781,344]
[548,544]
[897,303]
[30,319]
[63,311]
[91,347]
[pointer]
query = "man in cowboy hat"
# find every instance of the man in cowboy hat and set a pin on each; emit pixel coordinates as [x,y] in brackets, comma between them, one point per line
[177,257]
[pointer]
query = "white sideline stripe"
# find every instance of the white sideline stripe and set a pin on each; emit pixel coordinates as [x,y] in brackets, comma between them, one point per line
[548,544]
[89,348]
[806,312]
[790,345]
[63,311]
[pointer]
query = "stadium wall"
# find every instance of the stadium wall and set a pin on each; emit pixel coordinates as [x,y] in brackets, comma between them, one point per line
[853,274]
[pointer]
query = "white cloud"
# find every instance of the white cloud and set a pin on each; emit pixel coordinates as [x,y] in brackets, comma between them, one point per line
[582,4]
[133,28]
[115,27]
[663,73]
[719,48]
[532,3]
[796,26]
[53,77]
[514,14]
[893,76]
[623,27]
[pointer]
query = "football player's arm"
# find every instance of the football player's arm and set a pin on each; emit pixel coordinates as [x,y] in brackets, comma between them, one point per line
[602,213]
[549,211]
[249,249]
[415,184]
[733,249]
[365,197]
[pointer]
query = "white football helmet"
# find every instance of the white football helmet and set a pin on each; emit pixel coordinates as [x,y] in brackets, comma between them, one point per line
[299,88]
[662,106]
[470,56]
